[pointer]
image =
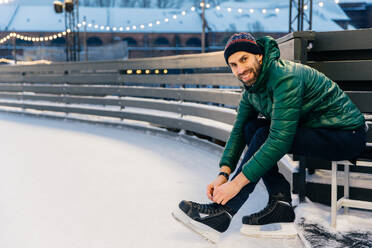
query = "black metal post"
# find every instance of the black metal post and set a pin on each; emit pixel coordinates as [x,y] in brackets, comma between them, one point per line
[15,50]
[290,16]
[85,40]
[301,16]
[67,42]
[203,27]
[311,15]
[78,45]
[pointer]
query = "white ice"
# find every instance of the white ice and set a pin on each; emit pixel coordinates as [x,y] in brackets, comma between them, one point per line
[77,185]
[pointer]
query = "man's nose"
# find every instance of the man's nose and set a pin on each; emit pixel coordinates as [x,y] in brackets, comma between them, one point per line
[240,69]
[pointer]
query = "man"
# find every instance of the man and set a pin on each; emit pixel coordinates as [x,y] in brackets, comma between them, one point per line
[305,113]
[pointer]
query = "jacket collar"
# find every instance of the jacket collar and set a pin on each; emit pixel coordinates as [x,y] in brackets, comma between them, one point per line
[271,53]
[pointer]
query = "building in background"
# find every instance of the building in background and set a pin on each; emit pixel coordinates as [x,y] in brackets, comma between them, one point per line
[149,32]
[359,12]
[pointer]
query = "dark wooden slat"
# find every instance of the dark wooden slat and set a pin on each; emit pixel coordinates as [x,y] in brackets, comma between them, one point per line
[307,35]
[359,70]
[221,79]
[343,40]
[11,87]
[363,100]
[9,78]
[369,133]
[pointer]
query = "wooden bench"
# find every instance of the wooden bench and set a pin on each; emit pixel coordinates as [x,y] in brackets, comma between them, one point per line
[345,57]
[365,159]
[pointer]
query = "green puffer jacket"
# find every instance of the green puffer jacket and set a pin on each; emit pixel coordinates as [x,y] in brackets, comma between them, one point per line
[289,95]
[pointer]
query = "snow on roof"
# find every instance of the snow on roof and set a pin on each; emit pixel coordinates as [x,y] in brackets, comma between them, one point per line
[6,13]
[356,1]
[43,18]
[272,21]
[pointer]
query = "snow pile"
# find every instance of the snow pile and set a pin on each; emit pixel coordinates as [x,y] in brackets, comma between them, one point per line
[353,229]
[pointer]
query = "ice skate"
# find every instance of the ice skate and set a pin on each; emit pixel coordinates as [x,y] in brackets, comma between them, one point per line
[207,220]
[276,220]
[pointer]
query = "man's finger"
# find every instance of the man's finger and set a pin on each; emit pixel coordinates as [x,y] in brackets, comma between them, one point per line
[210,190]
[217,199]
[209,195]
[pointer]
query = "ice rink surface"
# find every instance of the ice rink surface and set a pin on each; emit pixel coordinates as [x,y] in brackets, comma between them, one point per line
[77,185]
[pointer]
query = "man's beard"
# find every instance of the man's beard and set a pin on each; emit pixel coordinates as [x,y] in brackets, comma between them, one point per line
[255,70]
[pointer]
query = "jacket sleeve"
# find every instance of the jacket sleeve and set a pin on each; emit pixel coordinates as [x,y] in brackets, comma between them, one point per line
[236,144]
[287,101]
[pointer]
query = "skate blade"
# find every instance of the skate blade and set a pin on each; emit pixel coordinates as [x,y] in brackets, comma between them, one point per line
[204,231]
[275,230]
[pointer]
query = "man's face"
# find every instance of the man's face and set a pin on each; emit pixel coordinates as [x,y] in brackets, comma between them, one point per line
[246,66]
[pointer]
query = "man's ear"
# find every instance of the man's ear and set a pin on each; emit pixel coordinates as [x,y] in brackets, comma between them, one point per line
[259,58]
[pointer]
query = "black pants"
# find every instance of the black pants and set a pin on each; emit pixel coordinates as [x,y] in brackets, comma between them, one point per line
[329,144]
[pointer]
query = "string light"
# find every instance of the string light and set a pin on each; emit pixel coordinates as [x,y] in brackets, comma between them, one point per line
[5,1]
[134,27]
[33,38]
[184,13]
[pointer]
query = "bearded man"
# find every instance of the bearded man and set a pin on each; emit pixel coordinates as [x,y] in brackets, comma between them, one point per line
[286,107]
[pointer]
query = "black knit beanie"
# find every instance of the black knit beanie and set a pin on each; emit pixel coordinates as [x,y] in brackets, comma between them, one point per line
[241,42]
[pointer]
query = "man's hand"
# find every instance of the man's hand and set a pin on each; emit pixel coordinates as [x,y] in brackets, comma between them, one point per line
[217,182]
[225,192]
